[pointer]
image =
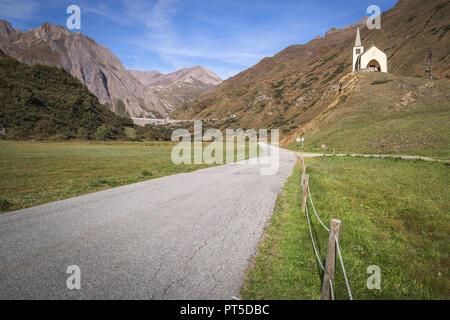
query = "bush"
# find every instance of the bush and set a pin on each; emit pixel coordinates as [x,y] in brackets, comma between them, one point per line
[146,173]
[130,133]
[102,133]
[380,82]
[62,136]
[82,133]
[4,204]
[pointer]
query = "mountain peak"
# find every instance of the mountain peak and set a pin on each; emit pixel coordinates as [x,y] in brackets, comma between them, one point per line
[4,23]
[198,67]
[179,87]
[204,75]
[6,29]
[155,78]
[49,31]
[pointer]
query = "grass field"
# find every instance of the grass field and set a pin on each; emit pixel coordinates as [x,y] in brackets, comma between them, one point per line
[394,213]
[33,173]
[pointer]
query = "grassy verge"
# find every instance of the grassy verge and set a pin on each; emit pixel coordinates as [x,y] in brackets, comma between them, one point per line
[33,173]
[394,213]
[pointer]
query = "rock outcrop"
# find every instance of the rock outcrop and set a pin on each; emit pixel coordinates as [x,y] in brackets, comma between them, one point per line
[179,87]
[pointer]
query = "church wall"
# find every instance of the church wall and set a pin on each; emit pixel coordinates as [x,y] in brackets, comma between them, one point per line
[375,54]
[356,55]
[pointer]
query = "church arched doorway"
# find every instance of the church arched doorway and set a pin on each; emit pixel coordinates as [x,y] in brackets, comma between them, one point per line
[374,64]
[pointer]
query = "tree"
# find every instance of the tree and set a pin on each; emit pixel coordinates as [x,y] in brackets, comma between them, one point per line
[102,133]
[82,133]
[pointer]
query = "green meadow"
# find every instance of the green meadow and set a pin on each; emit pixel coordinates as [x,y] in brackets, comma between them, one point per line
[34,173]
[394,213]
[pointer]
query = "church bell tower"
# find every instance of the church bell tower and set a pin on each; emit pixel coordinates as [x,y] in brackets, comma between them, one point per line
[357,50]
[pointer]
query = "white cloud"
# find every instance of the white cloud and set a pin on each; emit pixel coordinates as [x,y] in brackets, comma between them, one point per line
[235,47]
[17,9]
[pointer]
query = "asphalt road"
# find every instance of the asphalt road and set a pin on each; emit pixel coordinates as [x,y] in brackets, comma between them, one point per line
[186,236]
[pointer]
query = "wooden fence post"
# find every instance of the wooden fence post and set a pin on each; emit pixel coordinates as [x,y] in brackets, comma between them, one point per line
[330,263]
[303,171]
[305,192]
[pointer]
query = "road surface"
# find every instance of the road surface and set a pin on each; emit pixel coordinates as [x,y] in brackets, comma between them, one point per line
[186,236]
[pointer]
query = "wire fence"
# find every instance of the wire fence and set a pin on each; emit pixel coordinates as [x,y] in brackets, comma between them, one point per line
[332,249]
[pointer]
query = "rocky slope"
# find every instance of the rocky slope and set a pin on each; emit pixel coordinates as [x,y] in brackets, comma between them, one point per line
[179,87]
[93,64]
[286,91]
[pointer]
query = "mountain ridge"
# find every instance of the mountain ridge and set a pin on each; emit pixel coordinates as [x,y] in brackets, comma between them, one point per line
[155,78]
[284,91]
[179,87]
[93,64]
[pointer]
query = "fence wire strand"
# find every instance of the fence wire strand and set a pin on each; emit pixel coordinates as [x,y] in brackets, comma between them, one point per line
[317,254]
[331,289]
[315,212]
[312,238]
[343,269]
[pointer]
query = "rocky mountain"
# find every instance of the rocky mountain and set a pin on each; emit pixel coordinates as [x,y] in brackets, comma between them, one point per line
[289,90]
[155,78]
[179,87]
[91,63]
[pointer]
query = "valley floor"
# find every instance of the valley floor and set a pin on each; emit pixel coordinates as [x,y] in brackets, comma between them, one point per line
[394,213]
[34,173]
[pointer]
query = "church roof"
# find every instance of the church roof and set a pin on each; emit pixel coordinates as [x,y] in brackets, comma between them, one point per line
[358,39]
[368,49]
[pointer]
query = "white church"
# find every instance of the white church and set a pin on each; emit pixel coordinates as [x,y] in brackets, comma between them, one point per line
[372,59]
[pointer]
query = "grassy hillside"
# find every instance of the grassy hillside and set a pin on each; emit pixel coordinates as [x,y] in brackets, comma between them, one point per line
[382,113]
[40,102]
[394,213]
[285,91]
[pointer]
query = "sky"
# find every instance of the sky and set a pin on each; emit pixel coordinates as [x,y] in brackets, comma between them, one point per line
[225,36]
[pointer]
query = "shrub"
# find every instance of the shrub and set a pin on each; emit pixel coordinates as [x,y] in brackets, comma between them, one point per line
[102,133]
[82,133]
[146,173]
[130,133]
[380,82]
[62,136]
[101,181]
[4,204]
[305,85]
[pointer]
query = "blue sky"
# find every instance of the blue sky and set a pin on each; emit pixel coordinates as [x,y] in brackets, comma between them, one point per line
[225,36]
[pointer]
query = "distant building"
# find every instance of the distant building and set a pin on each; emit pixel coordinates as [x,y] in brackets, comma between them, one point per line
[372,59]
